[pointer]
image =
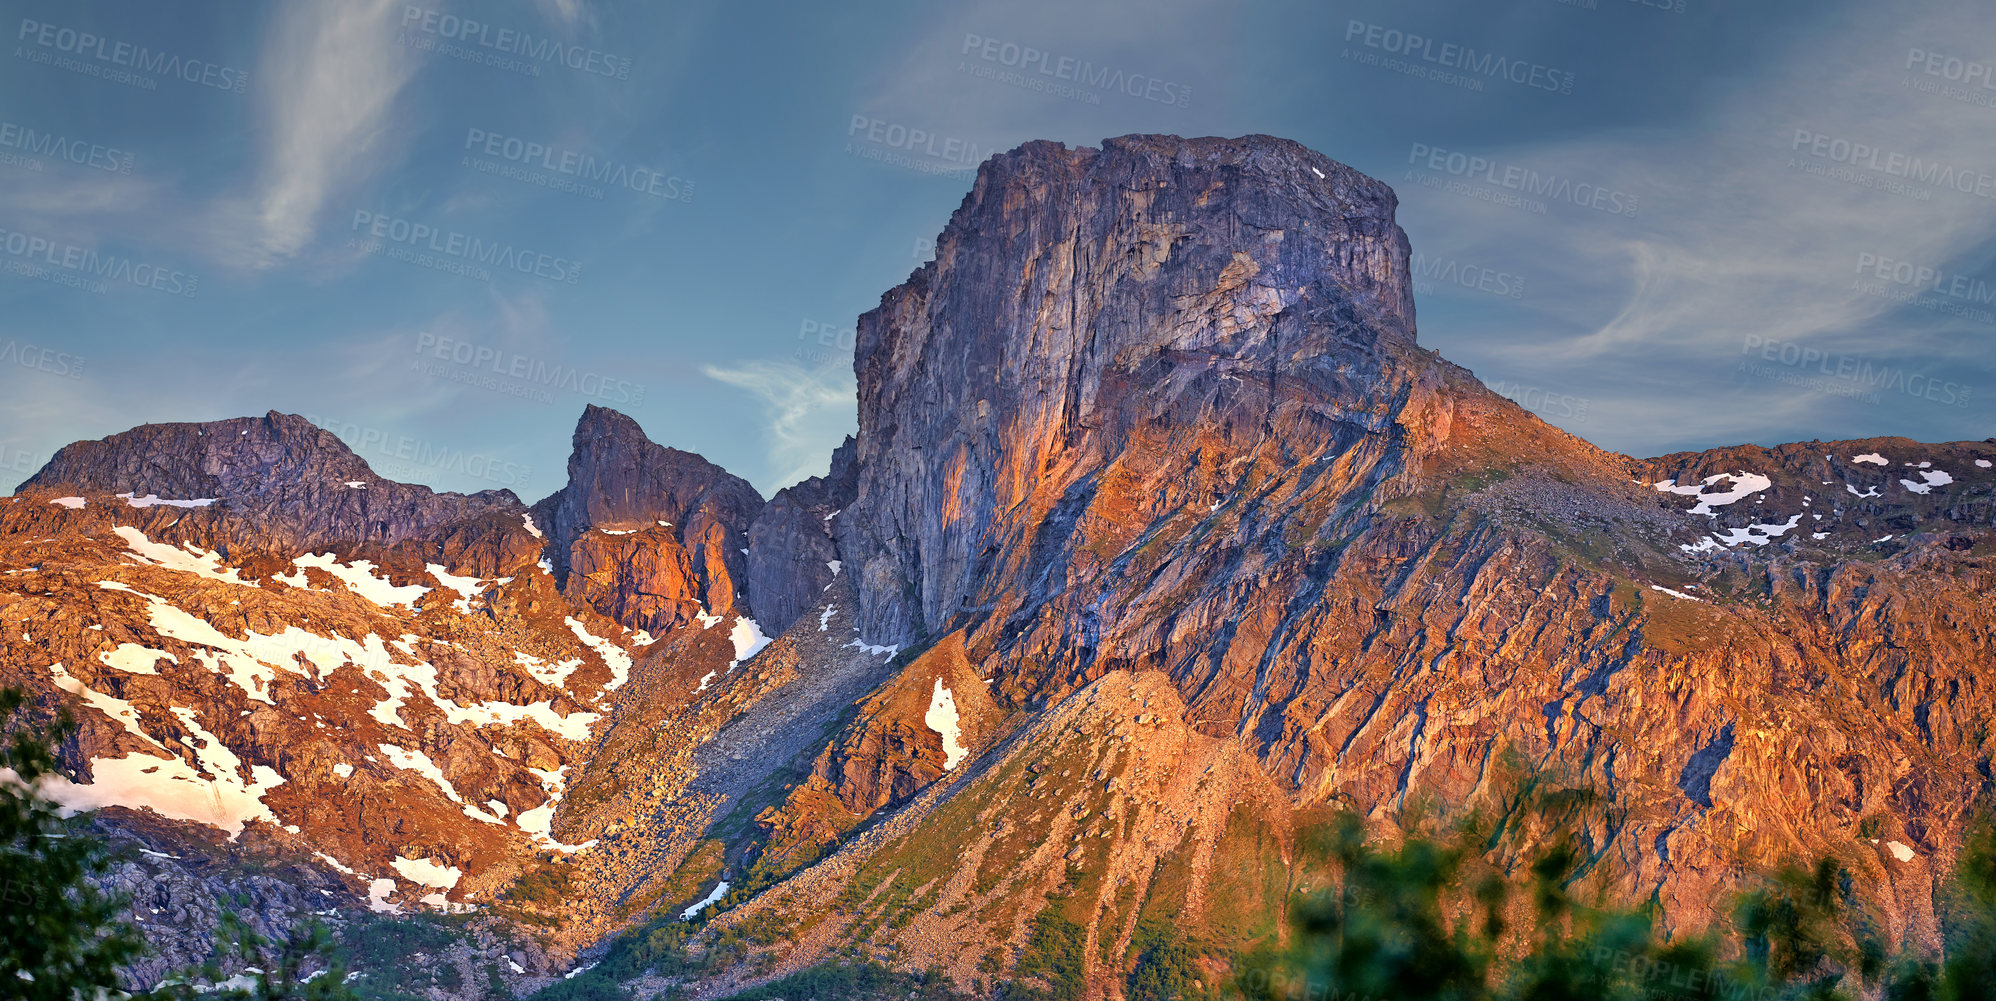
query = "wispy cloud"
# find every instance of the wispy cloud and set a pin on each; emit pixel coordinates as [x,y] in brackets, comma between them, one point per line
[1741,235]
[331,73]
[809,413]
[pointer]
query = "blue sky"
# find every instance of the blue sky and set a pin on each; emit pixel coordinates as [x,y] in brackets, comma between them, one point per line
[442,229]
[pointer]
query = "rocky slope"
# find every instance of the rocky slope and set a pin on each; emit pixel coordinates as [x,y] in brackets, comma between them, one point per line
[1160,537]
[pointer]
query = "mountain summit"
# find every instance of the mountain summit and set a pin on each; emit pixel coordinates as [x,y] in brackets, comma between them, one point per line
[1160,538]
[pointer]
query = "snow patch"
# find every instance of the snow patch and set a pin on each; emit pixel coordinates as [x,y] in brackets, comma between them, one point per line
[825,617]
[538,822]
[942,718]
[170,787]
[154,500]
[1674,594]
[187,557]
[73,503]
[1872,457]
[118,709]
[251,662]
[466,587]
[1902,852]
[335,863]
[1743,485]
[612,654]
[747,637]
[132,658]
[360,579]
[1931,478]
[415,760]
[425,872]
[528,520]
[878,651]
[691,912]
[546,673]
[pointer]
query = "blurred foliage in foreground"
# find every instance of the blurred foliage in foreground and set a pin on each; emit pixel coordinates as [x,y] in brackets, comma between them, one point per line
[1434,918]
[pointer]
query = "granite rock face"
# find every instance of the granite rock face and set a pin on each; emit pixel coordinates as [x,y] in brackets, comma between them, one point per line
[648,535]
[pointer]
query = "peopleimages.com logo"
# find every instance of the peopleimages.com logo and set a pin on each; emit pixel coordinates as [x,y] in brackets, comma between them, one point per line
[1427,271]
[399,456]
[1892,165]
[1953,69]
[97,52]
[1845,375]
[483,365]
[85,268]
[551,166]
[449,250]
[1525,180]
[1039,69]
[914,148]
[536,49]
[32,143]
[1458,58]
[41,359]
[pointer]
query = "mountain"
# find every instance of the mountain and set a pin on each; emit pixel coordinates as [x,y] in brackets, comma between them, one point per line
[1161,538]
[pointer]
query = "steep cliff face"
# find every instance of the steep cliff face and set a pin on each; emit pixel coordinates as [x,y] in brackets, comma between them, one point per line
[650,536]
[1080,298]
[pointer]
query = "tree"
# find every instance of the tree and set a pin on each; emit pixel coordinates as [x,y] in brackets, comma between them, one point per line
[285,983]
[60,937]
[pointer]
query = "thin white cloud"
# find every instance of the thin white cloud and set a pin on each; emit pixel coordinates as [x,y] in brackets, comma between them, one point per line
[330,74]
[810,412]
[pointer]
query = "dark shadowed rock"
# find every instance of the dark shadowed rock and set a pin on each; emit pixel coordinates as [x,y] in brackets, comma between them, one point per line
[792,553]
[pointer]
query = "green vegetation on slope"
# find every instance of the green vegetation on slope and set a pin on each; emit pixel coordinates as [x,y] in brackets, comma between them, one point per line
[1431,919]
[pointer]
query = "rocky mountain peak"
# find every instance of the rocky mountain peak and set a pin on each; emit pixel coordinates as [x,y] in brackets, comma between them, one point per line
[242,457]
[1079,295]
[648,535]
[285,479]
[618,475]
